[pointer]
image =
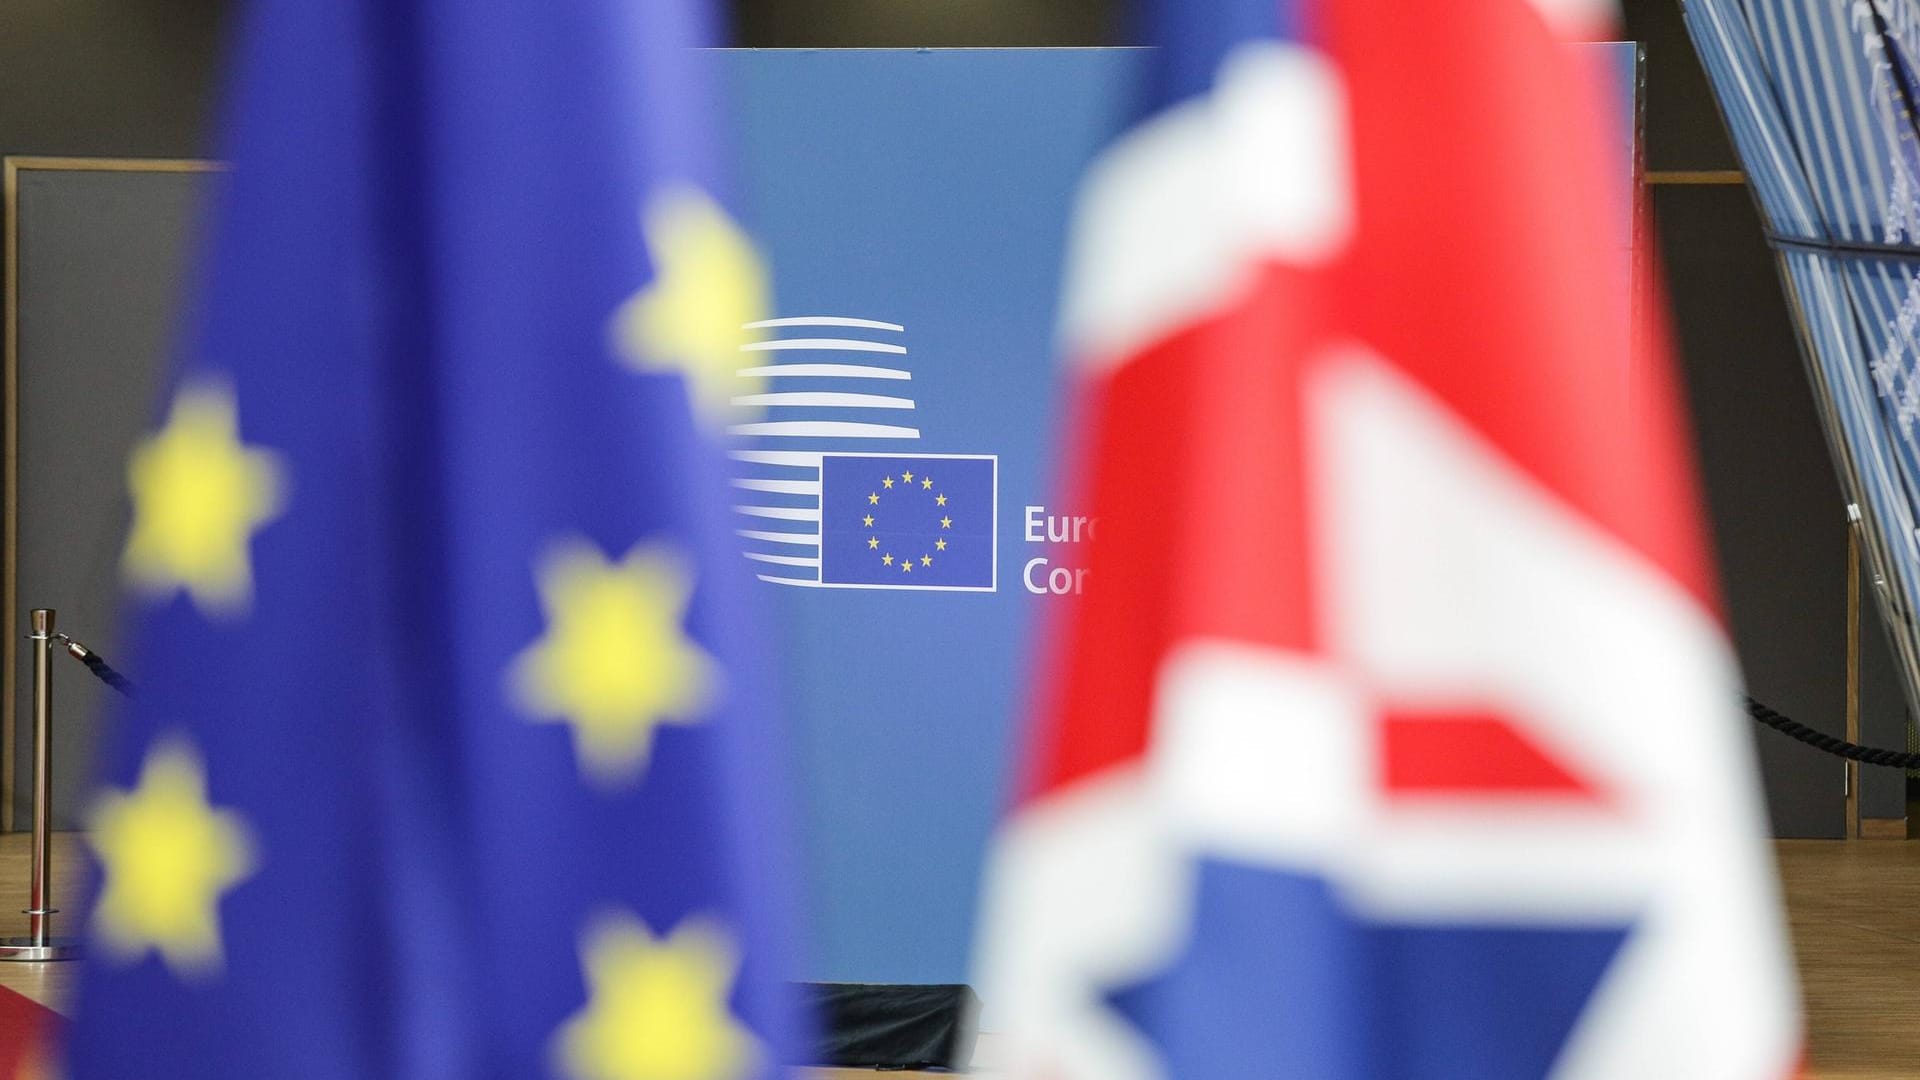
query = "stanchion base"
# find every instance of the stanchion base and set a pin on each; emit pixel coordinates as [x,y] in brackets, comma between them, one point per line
[55,948]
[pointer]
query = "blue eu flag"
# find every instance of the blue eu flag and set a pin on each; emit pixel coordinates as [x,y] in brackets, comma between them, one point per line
[446,763]
[907,521]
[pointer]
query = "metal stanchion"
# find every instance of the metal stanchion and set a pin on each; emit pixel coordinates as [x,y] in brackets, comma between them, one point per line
[40,944]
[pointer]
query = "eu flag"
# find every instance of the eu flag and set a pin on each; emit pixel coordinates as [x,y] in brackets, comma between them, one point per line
[446,763]
[907,521]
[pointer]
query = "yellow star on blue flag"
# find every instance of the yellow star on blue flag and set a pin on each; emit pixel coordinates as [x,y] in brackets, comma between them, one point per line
[710,284]
[615,662]
[166,856]
[199,495]
[657,1008]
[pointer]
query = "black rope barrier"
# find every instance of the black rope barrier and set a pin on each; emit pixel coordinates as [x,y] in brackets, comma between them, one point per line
[100,668]
[1773,718]
[1786,725]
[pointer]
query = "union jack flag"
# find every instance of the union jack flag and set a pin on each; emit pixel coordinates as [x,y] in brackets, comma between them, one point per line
[1347,767]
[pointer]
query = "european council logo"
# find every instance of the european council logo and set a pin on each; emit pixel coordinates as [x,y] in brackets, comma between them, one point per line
[889,521]
[858,518]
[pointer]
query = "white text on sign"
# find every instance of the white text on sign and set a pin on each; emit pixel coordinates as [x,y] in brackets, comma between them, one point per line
[1040,576]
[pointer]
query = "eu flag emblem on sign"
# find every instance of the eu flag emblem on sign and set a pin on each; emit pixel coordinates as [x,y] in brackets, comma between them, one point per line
[907,521]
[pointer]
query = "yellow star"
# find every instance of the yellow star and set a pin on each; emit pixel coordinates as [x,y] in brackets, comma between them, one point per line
[199,495]
[166,856]
[887,559]
[887,483]
[906,566]
[926,482]
[946,522]
[940,544]
[874,498]
[907,476]
[926,560]
[939,500]
[873,542]
[615,662]
[656,1008]
[867,521]
[708,283]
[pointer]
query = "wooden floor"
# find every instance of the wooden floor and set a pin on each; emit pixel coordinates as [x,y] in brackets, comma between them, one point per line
[48,984]
[1854,908]
[1855,911]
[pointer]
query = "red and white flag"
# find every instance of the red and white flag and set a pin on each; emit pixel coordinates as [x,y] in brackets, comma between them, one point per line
[1396,733]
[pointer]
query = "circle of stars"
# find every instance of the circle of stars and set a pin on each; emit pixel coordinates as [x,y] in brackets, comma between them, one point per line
[907,480]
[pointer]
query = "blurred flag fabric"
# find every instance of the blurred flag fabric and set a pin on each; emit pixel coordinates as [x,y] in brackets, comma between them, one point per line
[1400,737]
[450,757]
[28,1030]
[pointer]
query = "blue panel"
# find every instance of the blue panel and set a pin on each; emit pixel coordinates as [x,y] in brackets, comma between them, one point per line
[928,190]
[915,205]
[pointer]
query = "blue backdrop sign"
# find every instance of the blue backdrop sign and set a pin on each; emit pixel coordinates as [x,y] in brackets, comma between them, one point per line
[892,490]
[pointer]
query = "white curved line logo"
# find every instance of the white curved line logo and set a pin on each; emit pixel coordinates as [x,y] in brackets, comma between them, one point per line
[833,494]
